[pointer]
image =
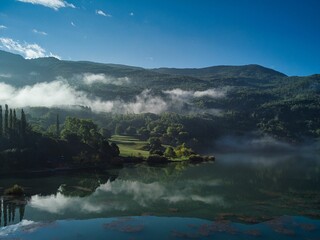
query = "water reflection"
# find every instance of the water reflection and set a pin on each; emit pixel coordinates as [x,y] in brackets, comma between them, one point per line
[235,188]
[11,210]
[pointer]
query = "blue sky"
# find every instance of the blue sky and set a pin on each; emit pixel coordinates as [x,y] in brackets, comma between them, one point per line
[280,34]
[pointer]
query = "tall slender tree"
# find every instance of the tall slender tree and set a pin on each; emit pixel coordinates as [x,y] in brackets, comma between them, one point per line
[14,122]
[10,119]
[6,113]
[58,126]
[23,123]
[1,122]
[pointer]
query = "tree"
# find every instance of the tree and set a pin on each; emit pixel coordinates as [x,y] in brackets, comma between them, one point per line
[58,127]
[15,120]
[115,150]
[23,123]
[144,133]
[183,151]
[170,153]
[131,130]
[119,129]
[6,113]
[86,130]
[1,122]
[10,120]
[155,146]
[106,133]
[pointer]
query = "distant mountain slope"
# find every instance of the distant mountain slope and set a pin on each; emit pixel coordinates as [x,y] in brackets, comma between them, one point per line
[246,71]
[17,71]
[25,72]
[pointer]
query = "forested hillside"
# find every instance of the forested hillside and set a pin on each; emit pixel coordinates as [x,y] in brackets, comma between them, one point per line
[177,105]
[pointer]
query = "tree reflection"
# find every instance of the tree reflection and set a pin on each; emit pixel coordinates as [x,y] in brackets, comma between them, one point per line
[8,209]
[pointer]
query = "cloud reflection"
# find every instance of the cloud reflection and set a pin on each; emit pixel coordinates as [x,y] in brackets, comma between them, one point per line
[122,195]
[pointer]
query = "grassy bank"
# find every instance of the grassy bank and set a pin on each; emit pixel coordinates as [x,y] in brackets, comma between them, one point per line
[130,146]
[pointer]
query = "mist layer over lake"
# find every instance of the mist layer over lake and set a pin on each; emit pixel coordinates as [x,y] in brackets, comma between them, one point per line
[240,187]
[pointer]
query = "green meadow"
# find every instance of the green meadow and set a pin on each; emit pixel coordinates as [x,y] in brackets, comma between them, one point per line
[130,146]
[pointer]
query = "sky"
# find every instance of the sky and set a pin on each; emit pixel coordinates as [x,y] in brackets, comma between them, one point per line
[280,34]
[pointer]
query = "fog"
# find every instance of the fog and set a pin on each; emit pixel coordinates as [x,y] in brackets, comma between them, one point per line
[90,78]
[179,94]
[60,93]
[260,150]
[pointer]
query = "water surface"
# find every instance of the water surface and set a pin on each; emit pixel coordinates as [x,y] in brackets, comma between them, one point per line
[245,189]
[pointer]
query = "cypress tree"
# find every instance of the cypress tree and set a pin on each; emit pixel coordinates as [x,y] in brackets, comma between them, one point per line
[1,122]
[58,126]
[23,123]
[14,123]
[6,112]
[10,119]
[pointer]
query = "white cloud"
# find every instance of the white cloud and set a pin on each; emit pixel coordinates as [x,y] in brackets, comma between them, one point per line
[90,79]
[39,32]
[42,94]
[131,14]
[122,194]
[60,93]
[102,13]
[27,50]
[72,24]
[3,27]
[5,75]
[179,94]
[54,4]
[54,55]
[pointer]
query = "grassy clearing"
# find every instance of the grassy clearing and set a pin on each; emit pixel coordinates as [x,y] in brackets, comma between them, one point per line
[129,146]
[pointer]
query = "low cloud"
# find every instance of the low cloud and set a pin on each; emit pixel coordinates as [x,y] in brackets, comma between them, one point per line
[102,13]
[3,27]
[29,51]
[90,79]
[39,32]
[179,94]
[54,4]
[60,93]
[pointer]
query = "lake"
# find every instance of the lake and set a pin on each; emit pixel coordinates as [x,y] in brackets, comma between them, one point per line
[240,196]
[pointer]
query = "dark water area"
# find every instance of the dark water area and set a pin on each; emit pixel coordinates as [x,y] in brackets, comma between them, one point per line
[240,196]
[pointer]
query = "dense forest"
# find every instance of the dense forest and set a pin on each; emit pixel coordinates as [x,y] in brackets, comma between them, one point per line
[79,144]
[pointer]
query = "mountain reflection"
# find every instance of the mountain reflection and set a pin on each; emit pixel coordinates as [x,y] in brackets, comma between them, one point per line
[236,187]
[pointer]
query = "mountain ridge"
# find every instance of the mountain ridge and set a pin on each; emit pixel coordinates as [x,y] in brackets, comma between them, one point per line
[210,72]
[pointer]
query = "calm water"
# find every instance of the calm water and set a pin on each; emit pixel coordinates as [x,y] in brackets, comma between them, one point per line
[240,195]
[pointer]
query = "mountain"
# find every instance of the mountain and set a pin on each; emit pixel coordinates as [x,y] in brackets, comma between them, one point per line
[246,71]
[25,72]
[256,98]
